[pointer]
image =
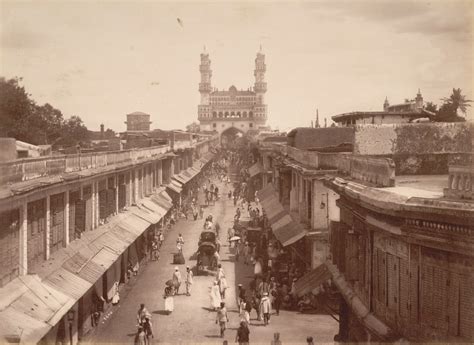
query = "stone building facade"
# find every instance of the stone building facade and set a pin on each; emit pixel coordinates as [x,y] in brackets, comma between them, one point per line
[232,110]
[399,248]
[138,122]
[71,225]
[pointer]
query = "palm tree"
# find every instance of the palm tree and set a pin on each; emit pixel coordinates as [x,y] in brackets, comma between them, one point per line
[458,101]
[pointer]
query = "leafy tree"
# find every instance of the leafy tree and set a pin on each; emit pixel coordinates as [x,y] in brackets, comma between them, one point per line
[448,112]
[15,107]
[430,106]
[458,101]
[73,132]
[21,118]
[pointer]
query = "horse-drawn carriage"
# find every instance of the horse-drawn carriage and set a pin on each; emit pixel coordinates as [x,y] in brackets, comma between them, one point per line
[207,247]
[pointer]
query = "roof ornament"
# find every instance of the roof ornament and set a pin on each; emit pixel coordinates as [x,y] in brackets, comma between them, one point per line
[204,48]
[260,48]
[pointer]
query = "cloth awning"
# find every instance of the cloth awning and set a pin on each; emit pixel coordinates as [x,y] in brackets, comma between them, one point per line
[255,169]
[175,186]
[206,158]
[148,210]
[289,233]
[163,201]
[31,305]
[180,178]
[312,280]
[284,227]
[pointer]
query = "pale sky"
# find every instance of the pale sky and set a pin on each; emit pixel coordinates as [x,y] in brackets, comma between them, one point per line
[101,60]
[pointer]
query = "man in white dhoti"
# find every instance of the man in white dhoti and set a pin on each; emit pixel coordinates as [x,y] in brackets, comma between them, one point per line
[188,281]
[215,296]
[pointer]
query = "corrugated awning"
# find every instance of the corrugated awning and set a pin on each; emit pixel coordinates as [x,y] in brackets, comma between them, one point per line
[312,280]
[181,179]
[255,169]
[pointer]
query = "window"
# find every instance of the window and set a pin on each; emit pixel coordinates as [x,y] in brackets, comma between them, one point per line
[250,125]
[214,125]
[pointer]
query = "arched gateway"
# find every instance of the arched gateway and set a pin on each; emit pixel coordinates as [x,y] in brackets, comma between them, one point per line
[230,135]
[221,110]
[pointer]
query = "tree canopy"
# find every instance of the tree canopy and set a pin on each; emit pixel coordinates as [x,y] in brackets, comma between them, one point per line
[448,112]
[21,118]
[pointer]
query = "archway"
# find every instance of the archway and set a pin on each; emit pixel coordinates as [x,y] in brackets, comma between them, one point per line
[230,136]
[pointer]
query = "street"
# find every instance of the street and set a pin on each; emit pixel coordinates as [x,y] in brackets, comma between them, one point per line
[192,321]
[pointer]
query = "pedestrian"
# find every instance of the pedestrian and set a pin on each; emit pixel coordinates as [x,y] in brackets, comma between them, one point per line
[148,329]
[243,334]
[154,250]
[277,298]
[169,302]
[265,308]
[180,240]
[161,238]
[220,272]
[217,259]
[240,296]
[276,339]
[188,281]
[218,245]
[201,212]
[142,313]
[257,268]
[140,337]
[215,296]
[309,341]
[222,318]
[230,234]
[246,253]
[229,195]
[176,280]
[223,286]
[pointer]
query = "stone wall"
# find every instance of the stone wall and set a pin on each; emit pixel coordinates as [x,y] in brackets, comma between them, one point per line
[415,148]
[420,138]
[311,138]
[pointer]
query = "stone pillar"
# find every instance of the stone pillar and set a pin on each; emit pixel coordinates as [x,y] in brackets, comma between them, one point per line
[116,194]
[94,210]
[136,187]
[66,218]
[48,228]
[96,204]
[130,190]
[23,238]
[160,173]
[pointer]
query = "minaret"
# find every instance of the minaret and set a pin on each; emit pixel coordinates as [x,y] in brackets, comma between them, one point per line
[260,87]
[316,124]
[205,87]
[418,101]
[385,104]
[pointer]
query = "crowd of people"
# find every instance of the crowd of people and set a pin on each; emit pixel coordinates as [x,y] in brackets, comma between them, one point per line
[272,287]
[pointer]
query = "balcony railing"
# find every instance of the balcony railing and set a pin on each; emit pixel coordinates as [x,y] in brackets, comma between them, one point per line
[31,168]
[378,171]
[460,182]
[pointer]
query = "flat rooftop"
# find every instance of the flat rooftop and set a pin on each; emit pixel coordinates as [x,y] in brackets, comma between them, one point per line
[422,186]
